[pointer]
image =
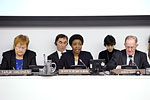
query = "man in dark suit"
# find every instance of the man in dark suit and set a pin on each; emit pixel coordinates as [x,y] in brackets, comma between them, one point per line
[61,42]
[129,56]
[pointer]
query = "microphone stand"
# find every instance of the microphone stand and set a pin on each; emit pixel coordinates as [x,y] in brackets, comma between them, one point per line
[83,63]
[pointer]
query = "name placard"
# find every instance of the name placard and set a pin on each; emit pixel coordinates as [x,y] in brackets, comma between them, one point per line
[74,71]
[128,71]
[15,72]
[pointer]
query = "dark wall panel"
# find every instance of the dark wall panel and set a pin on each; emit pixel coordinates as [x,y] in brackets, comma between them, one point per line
[62,21]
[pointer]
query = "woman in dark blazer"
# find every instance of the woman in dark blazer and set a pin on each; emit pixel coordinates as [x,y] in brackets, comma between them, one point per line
[19,58]
[109,43]
[75,56]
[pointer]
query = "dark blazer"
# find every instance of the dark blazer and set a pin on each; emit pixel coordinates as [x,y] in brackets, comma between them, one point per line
[54,57]
[106,55]
[9,60]
[120,58]
[67,59]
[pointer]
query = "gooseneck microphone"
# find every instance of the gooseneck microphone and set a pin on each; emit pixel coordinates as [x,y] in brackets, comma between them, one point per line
[45,66]
[135,65]
[83,63]
[44,59]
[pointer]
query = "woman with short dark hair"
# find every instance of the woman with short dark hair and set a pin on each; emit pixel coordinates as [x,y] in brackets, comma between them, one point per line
[75,56]
[109,43]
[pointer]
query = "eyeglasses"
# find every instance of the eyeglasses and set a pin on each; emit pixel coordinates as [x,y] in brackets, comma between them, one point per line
[19,47]
[128,47]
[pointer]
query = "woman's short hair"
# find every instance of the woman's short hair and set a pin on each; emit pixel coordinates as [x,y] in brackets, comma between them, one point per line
[76,37]
[109,40]
[22,39]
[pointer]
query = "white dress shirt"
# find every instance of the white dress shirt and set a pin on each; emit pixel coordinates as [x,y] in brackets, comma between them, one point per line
[60,54]
[128,59]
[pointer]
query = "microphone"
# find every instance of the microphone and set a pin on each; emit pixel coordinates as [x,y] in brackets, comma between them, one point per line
[44,59]
[135,65]
[45,65]
[83,63]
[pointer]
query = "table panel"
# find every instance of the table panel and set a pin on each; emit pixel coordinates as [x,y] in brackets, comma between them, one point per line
[74,87]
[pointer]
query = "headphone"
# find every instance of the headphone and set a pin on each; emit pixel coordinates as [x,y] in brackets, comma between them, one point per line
[55,43]
[60,36]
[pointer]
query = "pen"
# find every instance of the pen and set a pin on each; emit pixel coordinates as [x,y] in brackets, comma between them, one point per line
[13,68]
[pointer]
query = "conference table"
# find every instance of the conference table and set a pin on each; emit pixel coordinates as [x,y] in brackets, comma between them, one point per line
[75,87]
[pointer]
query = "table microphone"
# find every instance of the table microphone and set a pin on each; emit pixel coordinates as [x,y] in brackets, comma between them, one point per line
[135,65]
[45,65]
[83,63]
[44,59]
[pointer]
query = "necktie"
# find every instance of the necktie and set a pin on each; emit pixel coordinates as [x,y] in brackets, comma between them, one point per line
[130,62]
[61,54]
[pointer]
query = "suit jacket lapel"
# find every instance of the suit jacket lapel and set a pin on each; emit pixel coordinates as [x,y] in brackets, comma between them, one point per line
[72,60]
[25,61]
[136,59]
[13,60]
[124,58]
[56,57]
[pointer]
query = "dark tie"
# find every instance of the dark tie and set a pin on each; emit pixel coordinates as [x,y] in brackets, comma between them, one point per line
[130,62]
[61,54]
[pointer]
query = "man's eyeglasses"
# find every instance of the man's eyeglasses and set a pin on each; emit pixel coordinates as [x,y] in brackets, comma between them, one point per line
[130,47]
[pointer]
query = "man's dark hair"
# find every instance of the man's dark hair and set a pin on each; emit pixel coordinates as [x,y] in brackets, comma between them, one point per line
[60,36]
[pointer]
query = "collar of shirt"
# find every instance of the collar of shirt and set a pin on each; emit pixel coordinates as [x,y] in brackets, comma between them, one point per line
[60,54]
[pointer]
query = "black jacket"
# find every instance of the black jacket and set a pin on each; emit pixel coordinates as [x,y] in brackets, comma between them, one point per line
[67,59]
[120,58]
[106,55]
[54,57]
[9,60]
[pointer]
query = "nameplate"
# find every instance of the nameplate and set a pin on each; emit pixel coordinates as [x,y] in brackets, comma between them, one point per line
[74,71]
[15,72]
[128,71]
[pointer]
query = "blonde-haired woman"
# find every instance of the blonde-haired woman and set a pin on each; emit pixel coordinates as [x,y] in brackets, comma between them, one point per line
[20,57]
